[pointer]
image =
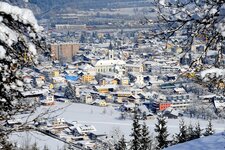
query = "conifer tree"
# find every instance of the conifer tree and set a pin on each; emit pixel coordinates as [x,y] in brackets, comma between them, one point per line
[209,129]
[191,133]
[121,145]
[162,133]
[70,92]
[145,139]
[198,131]
[45,147]
[183,134]
[34,146]
[136,141]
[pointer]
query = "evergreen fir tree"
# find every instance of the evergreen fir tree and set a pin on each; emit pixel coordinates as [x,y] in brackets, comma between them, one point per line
[198,131]
[6,145]
[144,116]
[183,134]
[162,133]
[34,146]
[82,38]
[45,147]
[145,139]
[209,130]
[191,133]
[70,92]
[121,145]
[136,141]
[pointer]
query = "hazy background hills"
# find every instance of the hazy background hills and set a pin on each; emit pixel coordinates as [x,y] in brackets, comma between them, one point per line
[45,8]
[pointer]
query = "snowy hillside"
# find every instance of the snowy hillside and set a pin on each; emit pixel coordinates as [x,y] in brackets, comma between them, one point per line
[214,142]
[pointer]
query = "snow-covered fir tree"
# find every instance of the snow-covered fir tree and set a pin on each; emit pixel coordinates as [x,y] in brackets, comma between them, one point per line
[70,91]
[191,133]
[209,129]
[162,133]
[20,41]
[198,131]
[121,145]
[146,140]
[183,134]
[136,132]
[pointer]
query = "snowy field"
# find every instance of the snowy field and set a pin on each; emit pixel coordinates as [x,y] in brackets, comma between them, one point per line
[105,119]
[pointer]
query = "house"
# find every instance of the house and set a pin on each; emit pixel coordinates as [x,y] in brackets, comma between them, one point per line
[59,124]
[71,78]
[105,88]
[164,105]
[39,81]
[13,123]
[134,68]
[87,78]
[133,99]
[166,69]
[82,129]
[47,100]
[119,96]
[127,107]
[124,81]
[219,102]
[171,113]
[56,80]
[86,98]
[99,102]
[89,69]
[137,78]
[159,105]
[105,81]
[55,73]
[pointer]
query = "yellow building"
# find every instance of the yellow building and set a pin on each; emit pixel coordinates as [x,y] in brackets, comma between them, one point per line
[87,78]
[105,88]
[102,103]
[103,82]
[55,73]
[125,81]
[114,81]
[51,86]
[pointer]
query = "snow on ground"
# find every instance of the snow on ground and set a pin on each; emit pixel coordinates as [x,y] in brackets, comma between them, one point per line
[106,122]
[213,142]
[105,119]
[30,138]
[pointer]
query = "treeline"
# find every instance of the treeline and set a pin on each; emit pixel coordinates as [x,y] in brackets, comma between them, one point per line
[142,140]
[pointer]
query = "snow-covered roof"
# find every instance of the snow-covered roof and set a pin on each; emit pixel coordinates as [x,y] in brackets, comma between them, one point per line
[110,62]
[108,86]
[35,92]
[179,90]
[218,72]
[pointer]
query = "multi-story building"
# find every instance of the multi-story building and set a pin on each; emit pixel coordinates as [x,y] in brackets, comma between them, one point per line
[134,68]
[64,51]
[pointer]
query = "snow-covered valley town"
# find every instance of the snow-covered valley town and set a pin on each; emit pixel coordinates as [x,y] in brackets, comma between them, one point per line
[111,76]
